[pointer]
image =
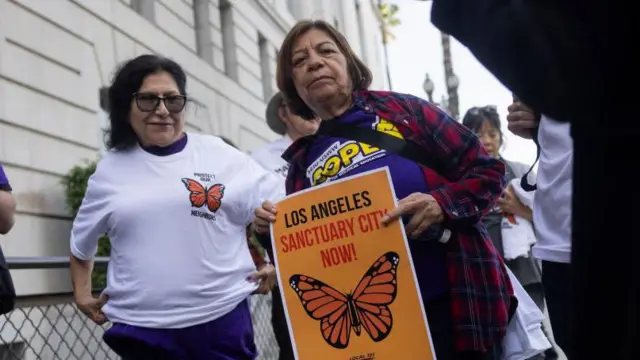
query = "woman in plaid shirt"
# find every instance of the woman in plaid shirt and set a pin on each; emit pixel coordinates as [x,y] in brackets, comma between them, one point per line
[463,282]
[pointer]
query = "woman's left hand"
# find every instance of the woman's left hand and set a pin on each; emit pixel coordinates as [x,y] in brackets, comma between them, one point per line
[266,277]
[425,209]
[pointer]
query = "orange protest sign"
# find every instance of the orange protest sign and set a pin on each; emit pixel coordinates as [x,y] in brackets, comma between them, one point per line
[347,282]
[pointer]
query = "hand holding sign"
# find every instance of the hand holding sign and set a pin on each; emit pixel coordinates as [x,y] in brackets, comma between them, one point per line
[324,239]
[425,209]
[265,276]
[265,215]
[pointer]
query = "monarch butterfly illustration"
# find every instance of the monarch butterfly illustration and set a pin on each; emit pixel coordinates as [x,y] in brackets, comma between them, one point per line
[366,307]
[200,195]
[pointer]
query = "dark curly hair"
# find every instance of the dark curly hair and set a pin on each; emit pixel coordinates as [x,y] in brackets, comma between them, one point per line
[126,82]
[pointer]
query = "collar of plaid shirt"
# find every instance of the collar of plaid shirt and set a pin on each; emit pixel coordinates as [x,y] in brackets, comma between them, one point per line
[481,293]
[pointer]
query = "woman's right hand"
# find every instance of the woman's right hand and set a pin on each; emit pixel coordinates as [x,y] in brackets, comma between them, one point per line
[521,119]
[265,215]
[92,307]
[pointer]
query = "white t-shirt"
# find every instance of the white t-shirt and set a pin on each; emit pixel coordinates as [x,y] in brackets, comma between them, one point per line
[174,263]
[552,202]
[270,156]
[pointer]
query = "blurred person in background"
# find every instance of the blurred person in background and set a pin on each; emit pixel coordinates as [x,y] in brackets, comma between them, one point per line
[292,127]
[287,124]
[175,207]
[485,122]
[468,302]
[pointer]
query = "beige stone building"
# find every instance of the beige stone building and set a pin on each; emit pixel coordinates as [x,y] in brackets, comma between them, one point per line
[56,55]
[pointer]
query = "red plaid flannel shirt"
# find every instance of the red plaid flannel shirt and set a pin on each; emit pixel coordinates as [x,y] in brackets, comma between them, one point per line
[481,293]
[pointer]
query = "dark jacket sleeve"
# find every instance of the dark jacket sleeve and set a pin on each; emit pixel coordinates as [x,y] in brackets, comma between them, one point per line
[556,55]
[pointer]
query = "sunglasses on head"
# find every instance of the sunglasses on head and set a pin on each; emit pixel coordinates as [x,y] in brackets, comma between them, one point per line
[489,109]
[148,102]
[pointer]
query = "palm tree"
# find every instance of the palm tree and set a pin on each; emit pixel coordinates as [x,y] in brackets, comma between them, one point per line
[389,13]
[389,20]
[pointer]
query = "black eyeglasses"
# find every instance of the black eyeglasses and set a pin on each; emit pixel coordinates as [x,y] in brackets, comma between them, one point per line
[149,102]
[489,109]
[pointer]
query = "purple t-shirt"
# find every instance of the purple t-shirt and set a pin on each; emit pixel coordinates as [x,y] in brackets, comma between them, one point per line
[174,148]
[4,181]
[334,158]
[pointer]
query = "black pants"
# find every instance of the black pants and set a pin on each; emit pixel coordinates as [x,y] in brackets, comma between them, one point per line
[556,279]
[131,349]
[441,328]
[605,247]
[280,329]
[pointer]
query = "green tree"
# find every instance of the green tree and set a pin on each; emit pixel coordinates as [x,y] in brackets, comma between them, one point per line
[389,14]
[75,186]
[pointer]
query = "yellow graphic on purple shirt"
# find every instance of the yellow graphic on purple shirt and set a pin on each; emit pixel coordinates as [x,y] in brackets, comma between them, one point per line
[344,156]
[387,127]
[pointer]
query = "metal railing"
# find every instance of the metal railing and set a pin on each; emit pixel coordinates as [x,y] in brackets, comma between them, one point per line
[51,327]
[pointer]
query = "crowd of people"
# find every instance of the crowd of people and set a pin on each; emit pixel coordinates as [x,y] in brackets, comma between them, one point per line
[180,207]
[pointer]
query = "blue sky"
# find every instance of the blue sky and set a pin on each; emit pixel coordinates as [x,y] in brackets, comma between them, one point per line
[417,50]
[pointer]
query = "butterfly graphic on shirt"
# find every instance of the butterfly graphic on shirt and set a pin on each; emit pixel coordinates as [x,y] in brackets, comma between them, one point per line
[201,195]
[511,218]
[366,307]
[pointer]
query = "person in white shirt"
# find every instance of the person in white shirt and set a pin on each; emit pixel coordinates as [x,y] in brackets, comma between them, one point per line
[283,122]
[292,127]
[551,211]
[175,207]
[258,258]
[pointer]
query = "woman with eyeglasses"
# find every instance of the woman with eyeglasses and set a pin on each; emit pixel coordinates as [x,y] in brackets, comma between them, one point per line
[485,123]
[175,207]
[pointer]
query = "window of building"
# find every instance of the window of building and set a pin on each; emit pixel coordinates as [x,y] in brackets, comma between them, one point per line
[146,8]
[265,67]
[228,39]
[204,45]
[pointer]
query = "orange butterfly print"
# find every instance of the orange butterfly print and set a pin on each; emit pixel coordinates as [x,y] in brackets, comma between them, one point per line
[511,218]
[366,307]
[200,195]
